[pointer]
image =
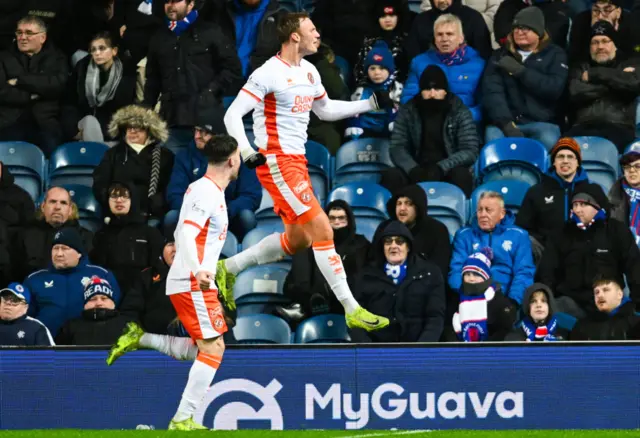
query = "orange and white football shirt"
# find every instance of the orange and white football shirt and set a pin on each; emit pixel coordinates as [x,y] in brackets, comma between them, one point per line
[204,208]
[285,95]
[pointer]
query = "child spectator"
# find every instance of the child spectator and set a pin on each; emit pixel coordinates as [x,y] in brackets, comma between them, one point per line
[538,322]
[381,70]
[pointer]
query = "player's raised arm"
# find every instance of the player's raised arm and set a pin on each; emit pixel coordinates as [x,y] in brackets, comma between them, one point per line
[332,110]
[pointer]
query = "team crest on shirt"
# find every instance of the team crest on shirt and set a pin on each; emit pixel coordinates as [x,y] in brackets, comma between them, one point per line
[306,197]
[301,187]
[310,76]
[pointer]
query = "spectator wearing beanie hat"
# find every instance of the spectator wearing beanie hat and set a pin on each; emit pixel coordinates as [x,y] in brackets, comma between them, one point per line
[380,77]
[524,82]
[547,205]
[434,137]
[57,293]
[100,323]
[390,27]
[603,91]
[625,193]
[590,244]
[461,63]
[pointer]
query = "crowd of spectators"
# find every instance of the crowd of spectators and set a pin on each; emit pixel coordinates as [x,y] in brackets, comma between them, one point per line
[148,77]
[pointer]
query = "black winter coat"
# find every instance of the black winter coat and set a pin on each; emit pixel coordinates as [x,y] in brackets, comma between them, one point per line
[122,163]
[44,74]
[16,205]
[147,300]
[476,32]
[547,205]
[32,246]
[556,17]
[76,105]
[95,327]
[223,14]
[573,258]
[415,308]
[619,202]
[599,326]
[609,96]
[460,136]
[25,332]
[192,72]
[529,96]
[10,12]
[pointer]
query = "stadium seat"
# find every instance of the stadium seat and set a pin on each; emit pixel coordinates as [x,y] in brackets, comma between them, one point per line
[289,5]
[367,226]
[265,214]
[88,207]
[523,159]
[307,6]
[27,164]
[322,329]
[446,203]
[73,163]
[261,329]
[414,6]
[565,321]
[260,284]
[600,160]
[512,191]
[362,160]
[366,199]
[345,69]
[319,167]
[230,247]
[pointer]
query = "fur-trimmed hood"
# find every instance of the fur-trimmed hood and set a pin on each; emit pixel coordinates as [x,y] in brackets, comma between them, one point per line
[141,117]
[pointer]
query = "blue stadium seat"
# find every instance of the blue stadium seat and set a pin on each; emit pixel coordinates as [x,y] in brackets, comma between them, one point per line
[366,199]
[512,191]
[289,5]
[230,247]
[88,207]
[73,163]
[322,329]
[319,167]
[414,6]
[265,214]
[27,164]
[259,289]
[362,160]
[307,5]
[261,329]
[345,69]
[523,159]
[565,321]
[600,160]
[367,226]
[446,203]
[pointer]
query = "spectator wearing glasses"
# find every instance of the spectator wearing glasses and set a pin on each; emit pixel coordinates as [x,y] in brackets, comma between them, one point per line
[33,74]
[402,286]
[16,328]
[100,85]
[243,195]
[625,193]
[603,91]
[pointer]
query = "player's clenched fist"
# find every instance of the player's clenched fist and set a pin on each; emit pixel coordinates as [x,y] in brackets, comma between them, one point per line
[204,279]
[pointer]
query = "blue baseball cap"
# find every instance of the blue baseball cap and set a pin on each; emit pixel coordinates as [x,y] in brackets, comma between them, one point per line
[19,291]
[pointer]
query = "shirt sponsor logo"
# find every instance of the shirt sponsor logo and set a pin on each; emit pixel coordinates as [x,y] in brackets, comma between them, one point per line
[302,104]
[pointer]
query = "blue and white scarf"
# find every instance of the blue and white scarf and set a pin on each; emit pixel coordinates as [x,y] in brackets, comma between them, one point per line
[545,332]
[600,216]
[181,26]
[634,209]
[396,273]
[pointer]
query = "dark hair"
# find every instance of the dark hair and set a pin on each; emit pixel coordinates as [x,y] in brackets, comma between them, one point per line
[601,280]
[288,24]
[219,148]
[107,36]
[119,189]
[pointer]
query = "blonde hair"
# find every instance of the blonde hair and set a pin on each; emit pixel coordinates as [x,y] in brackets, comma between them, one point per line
[74,208]
[492,195]
[448,19]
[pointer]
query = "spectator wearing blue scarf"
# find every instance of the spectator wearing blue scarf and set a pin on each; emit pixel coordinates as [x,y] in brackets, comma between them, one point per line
[625,193]
[402,286]
[614,318]
[538,323]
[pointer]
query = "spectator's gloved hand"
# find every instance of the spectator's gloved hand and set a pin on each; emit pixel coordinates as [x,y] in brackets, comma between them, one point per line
[511,130]
[381,100]
[510,65]
[353,132]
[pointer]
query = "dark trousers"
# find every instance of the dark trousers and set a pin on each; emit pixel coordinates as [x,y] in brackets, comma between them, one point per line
[395,179]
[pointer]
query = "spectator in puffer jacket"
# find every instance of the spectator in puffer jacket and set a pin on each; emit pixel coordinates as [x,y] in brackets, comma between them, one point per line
[147,300]
[434,137]
[380,76]
[547,205]
[604,90]
[614,317]
[624,195]
[524,82]
[589,245]
[243,195]
[16,328]
[538,322]
[404,287]
[391,28]
[57,293]
[126,244]
[493,227]
[101,323]
[461,63]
